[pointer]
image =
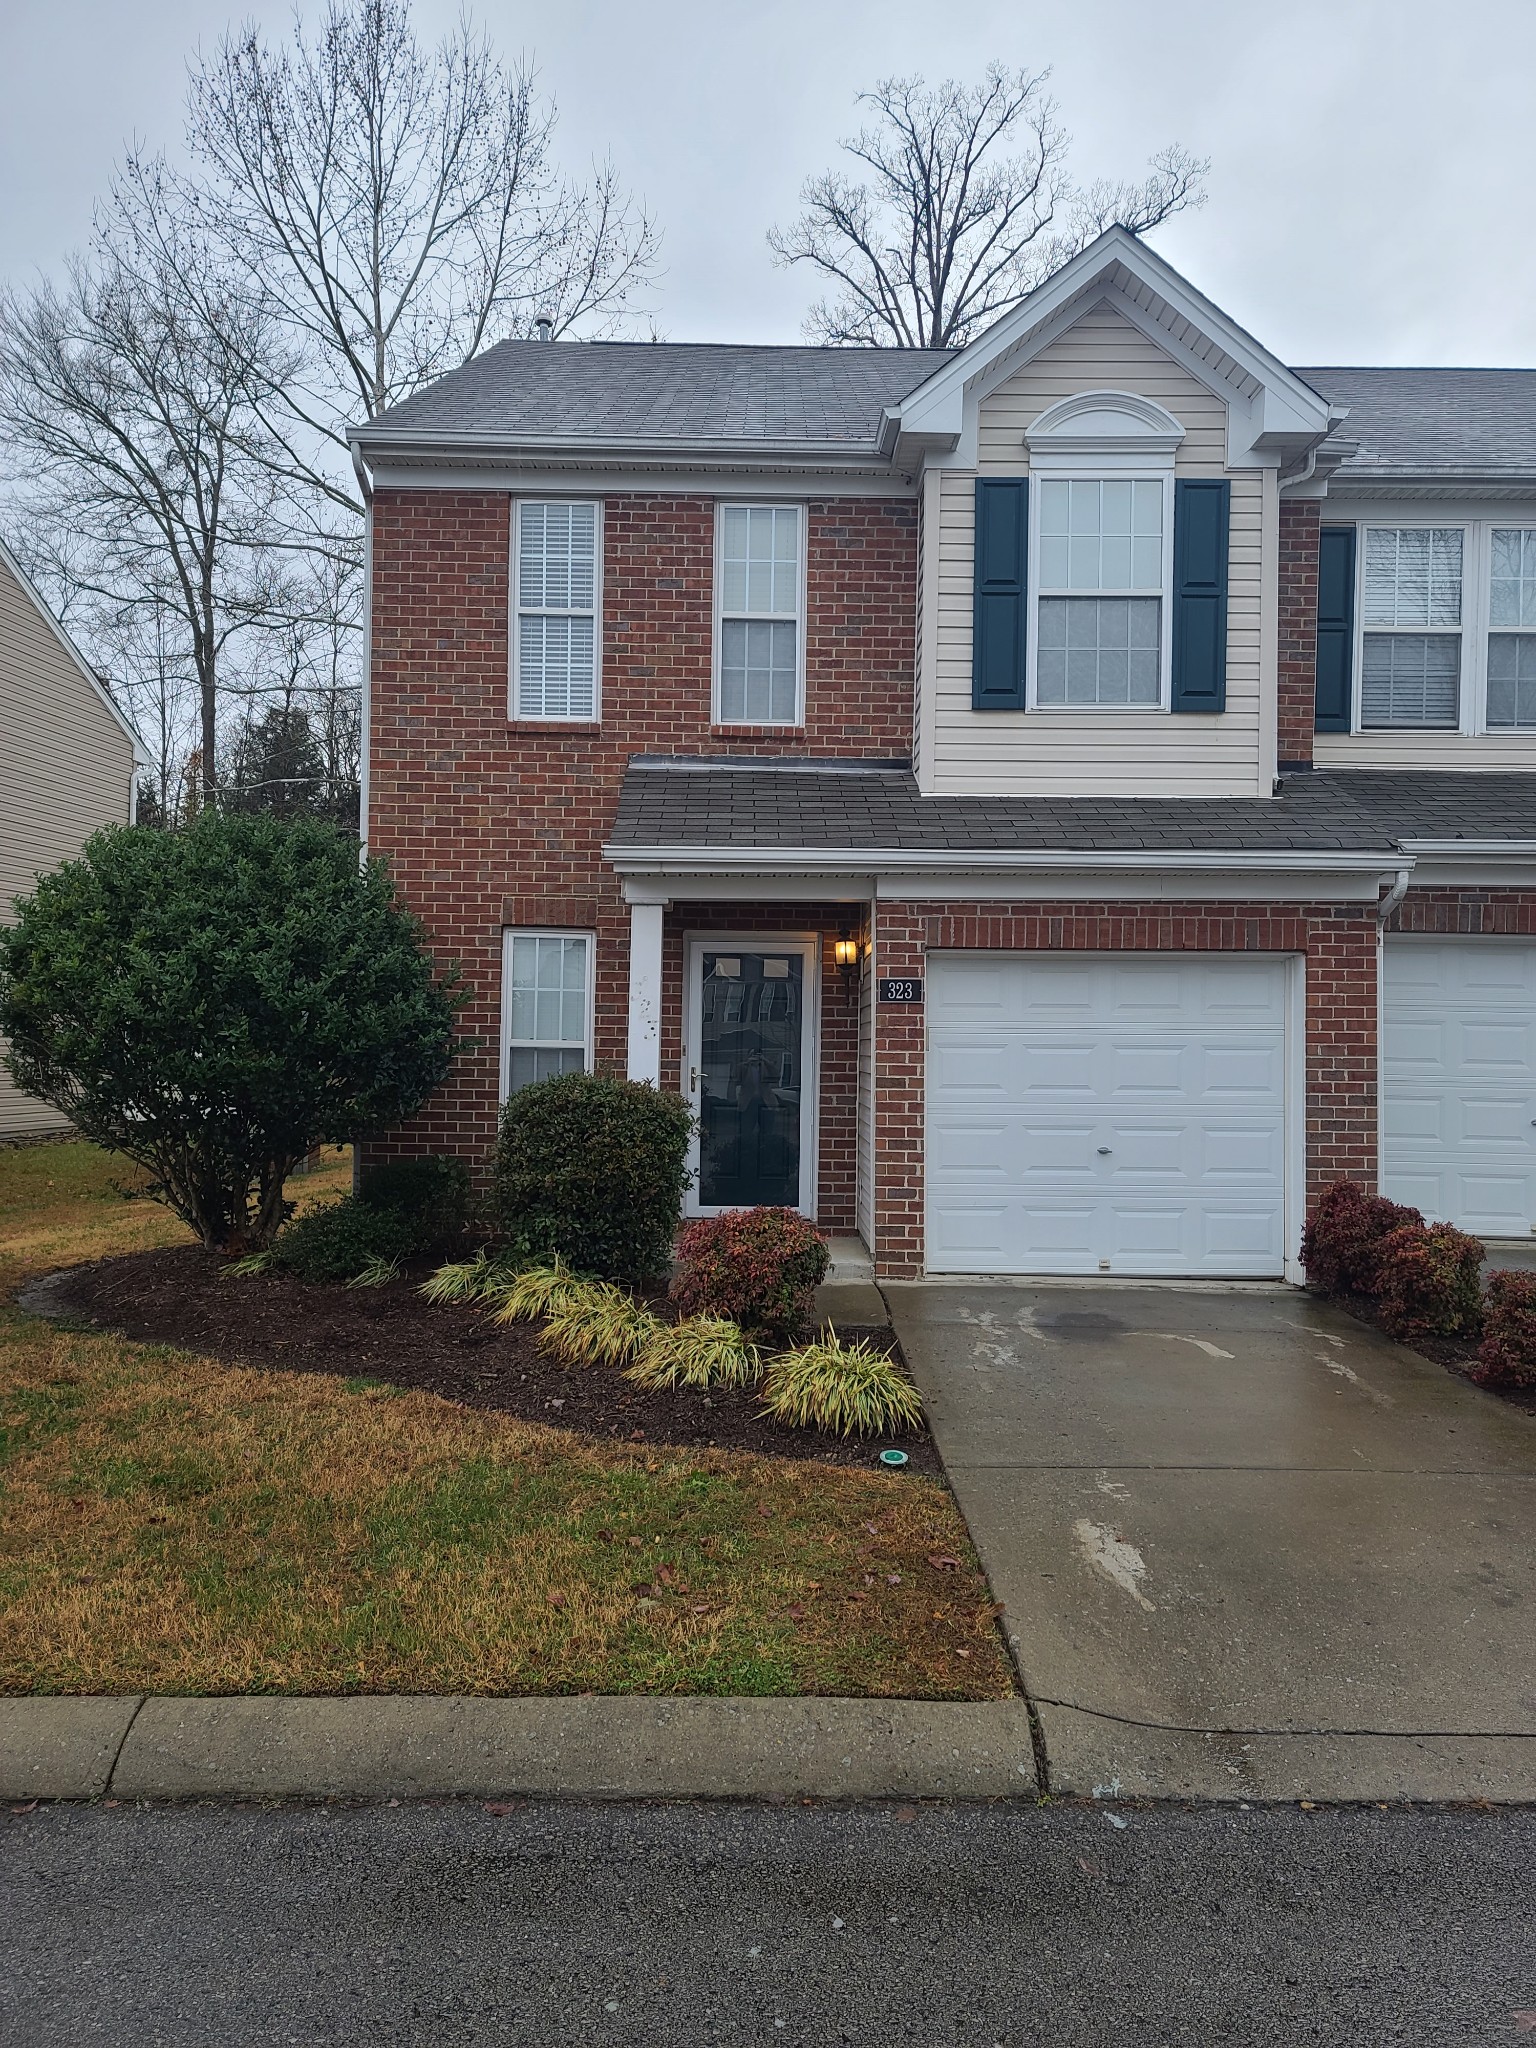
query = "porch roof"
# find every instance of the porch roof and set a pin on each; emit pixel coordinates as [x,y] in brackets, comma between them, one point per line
[848,807]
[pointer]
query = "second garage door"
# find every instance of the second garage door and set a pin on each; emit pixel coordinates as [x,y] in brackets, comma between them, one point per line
[1106,1113]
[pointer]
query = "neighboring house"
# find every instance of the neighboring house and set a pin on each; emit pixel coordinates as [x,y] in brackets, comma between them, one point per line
[70,765]
[1150,725]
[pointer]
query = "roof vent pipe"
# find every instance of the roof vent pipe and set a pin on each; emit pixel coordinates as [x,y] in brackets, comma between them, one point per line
[546,327]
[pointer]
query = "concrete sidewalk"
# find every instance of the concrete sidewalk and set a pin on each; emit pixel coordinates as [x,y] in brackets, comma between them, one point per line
[1245,1547]
[595,1748]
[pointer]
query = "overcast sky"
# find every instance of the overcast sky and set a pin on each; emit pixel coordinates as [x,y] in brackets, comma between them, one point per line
[1371,159]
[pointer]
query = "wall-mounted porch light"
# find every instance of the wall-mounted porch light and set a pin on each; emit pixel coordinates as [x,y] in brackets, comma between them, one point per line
[845,951]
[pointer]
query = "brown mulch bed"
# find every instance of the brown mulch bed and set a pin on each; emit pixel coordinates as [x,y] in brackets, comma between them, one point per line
[1456,1354]
[183,1297]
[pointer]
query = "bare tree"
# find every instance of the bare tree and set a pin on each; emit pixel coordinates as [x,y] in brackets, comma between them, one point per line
[397,209]
[128,409]
[963,205]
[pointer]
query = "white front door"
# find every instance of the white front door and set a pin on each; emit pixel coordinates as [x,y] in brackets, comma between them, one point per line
[750,1071]
[1112,1113]
[1458,1080]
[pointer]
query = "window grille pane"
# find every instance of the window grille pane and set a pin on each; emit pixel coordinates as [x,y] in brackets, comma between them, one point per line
[757,672]
[1410,679]
[1099,651]
[1413,576]
[1514,576]
[1101,534]
[527,1064]
[557,557]
[555,671]
[1511,679]
[760,560]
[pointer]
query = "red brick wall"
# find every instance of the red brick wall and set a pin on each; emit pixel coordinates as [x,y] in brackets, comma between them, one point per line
[1339,941]
[1297,702]
[1467,911]
[488,823]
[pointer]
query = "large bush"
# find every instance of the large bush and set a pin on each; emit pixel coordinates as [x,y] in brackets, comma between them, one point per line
[217,1002]
[430,1194]
[759,1267]
[593,1168]
[405,1208]
[1346,1230]
[1508,1354]
[1428,1282]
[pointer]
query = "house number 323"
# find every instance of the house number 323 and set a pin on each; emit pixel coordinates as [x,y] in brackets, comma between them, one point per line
[901,991]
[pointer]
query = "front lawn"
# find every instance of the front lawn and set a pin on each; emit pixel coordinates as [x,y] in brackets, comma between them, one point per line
[171,1524]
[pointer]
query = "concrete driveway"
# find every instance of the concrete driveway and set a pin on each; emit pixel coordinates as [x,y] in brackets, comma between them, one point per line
[1245,1547]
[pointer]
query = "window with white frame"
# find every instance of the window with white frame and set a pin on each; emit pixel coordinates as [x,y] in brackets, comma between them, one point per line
[1101,575]
[1410,662]
[555,646]
[758,634]
[547,1006]
[1512,628]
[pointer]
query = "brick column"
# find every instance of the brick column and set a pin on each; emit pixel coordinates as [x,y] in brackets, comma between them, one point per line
[1299,522]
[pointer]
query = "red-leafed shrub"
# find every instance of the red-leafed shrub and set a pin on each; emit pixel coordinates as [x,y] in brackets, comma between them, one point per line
[1340,1245]
[759,1267]
[1429,1282]
[1508,1354]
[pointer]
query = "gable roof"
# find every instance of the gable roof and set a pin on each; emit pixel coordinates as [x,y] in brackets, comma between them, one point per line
[55,626]
[1424,421]
[638,394]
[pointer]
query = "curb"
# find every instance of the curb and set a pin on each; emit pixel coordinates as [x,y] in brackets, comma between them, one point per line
[595,1748]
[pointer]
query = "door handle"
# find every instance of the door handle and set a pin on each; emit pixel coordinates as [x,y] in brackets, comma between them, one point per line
[1103,1151]
[693,1080]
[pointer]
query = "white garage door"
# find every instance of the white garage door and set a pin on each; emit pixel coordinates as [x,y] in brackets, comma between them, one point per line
[1105,1112]
[1459,1081]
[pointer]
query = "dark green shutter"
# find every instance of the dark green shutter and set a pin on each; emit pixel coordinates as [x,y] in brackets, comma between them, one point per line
[1201,517]
[1335,627]
[997,648]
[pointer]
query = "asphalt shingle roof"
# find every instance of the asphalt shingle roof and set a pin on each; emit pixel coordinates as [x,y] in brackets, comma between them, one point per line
[1417,420]
[619,391]
[800,805]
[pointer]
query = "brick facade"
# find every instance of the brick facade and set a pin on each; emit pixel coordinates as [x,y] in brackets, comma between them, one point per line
[1300,520]
[490,823]
[1337,940]
[1468,912]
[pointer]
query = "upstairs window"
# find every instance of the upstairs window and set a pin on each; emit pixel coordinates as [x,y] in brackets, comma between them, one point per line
[547,1006]
[1410,665]
[1512,629]
[759,626]
[555,646]
[1101,587]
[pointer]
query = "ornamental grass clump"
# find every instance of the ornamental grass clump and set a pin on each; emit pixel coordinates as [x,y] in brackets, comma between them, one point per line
[481,1278]
[597,1324]
[700,1351]
[536,1291]
[843,1389]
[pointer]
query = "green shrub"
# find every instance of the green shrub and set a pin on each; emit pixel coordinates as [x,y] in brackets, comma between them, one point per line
[214,1003]
[1507,1357]
[593,1168]
[1428,1282]
[701,1351]
[760,1267]
[845,1389]
[1344,1235]
[340,1241]
[430,1194]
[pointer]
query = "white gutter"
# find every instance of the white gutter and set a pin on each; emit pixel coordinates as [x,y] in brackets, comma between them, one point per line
[1395,894]
[717,860]
[1471,849]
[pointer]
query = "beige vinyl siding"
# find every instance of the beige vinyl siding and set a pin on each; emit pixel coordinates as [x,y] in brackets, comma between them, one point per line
[66,768]
[1099,753]
[1509,752]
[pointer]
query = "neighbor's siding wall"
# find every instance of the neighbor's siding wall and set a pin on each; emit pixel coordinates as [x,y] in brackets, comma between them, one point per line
[1508,753]
[1098,753]
[66,768]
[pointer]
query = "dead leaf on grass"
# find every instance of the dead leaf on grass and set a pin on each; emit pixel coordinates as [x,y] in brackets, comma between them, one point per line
[945,1564]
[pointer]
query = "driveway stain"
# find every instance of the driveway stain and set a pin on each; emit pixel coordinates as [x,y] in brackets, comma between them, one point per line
[1120,1562]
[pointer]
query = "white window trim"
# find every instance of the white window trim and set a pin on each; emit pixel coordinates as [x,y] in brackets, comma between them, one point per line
[723,506]
[808,945]
[1477,531]
[540,931]
[514,711]
[1098,471]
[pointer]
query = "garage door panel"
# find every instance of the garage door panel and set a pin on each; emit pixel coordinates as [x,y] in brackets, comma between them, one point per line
[1459,1081]
[1133,1110]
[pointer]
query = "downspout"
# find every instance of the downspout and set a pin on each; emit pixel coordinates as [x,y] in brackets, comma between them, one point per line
[365,712]
[1384,910]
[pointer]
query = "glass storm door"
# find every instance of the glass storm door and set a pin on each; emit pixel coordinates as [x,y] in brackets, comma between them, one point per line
[748,1076]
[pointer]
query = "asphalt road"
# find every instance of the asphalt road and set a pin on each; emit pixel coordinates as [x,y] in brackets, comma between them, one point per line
[673,1925]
